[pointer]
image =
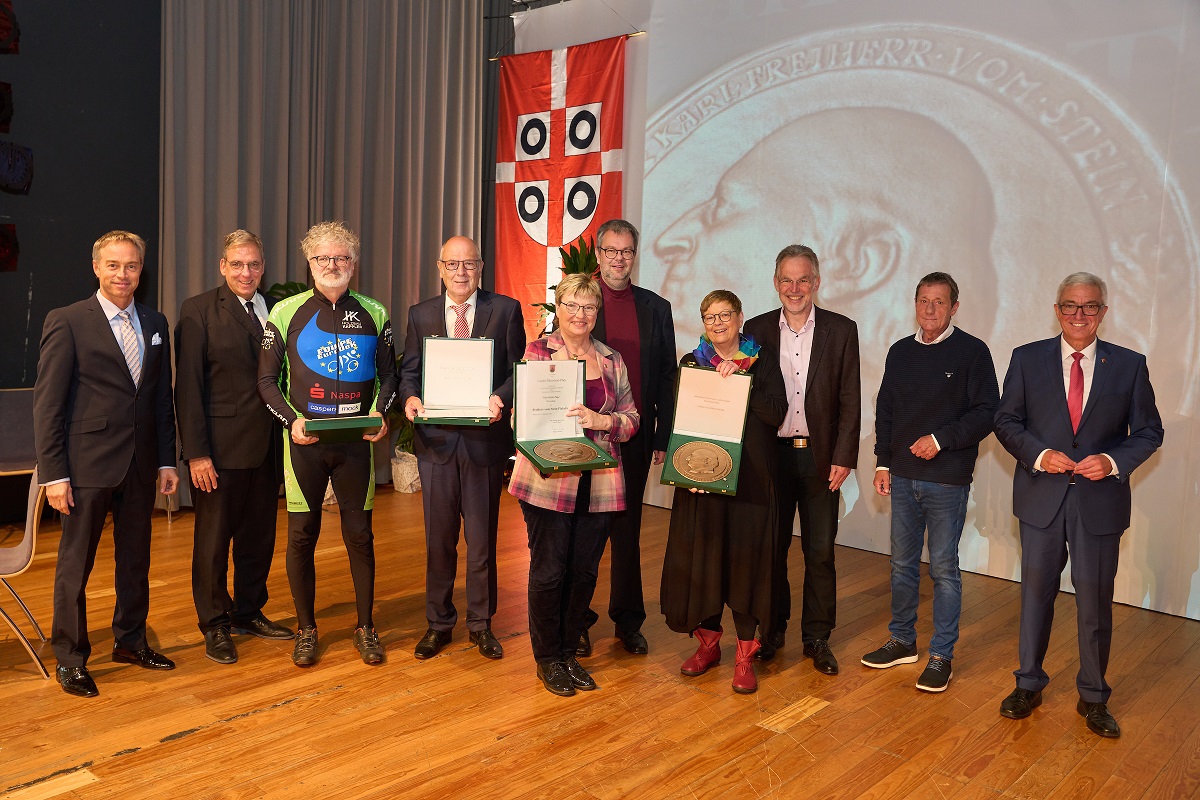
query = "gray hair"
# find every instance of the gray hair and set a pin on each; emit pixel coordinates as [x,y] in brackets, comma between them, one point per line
[617,226]
[330,233]
[798,251]
[1083,279]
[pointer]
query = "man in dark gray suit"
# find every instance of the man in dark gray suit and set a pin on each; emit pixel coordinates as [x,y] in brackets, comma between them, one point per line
[1079,416]
[104,428]
[462,467]
[818,354]
[232,447]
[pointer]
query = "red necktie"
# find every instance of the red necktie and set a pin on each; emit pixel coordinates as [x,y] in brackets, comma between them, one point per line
[460,324]
[1075,392]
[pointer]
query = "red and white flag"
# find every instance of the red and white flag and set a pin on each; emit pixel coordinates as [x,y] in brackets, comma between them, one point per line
[558,161]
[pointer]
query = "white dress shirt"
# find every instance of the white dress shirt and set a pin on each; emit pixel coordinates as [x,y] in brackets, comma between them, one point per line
[795,352]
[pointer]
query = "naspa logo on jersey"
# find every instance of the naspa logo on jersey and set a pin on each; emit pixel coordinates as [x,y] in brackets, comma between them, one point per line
[350,321]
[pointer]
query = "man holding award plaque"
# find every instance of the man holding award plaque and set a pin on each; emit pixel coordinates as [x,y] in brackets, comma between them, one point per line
[818,444]
[332,350]
[461,463]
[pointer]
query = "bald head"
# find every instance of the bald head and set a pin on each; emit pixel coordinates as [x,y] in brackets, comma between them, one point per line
[460,267]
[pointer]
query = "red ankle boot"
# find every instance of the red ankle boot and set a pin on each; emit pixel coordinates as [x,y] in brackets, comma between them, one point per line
[708,654]
[744,680]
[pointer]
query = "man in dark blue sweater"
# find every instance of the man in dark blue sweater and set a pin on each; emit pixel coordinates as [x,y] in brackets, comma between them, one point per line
[935,406]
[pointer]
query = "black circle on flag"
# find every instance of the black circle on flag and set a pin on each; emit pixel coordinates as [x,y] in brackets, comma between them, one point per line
[533,136]
[587,121]
[584,189]
[534,194]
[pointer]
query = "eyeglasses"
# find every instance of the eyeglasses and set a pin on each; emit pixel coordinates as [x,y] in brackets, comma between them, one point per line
[1089,309]
[323,261]
[612,252]
[453,266]
[571,309]
[238,266]
[788,284]
[711,319]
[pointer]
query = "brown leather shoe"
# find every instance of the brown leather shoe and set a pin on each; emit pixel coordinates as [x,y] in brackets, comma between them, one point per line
[144,658]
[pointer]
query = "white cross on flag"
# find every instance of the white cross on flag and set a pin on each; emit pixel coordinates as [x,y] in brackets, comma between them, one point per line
[558,161]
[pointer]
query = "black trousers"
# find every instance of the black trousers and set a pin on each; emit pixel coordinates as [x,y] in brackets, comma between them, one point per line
[801,490]
[349,466]
[456,493]
[564,557]
[626,606]
[241,511]
[131,504]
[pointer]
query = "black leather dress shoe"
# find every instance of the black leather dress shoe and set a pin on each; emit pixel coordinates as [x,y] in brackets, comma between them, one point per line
[263,628]
[768,646]
[1099,721]
[1020,704]
[554,677]
[633,642]
[822,657]
[584,648]
[76,681]
[580,678]
[144,658]
[432,643]
[219,647]
[488,646]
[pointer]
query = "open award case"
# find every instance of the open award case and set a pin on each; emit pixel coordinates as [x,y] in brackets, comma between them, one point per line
[705,448]
[456,381]
[333,430]
[552,441]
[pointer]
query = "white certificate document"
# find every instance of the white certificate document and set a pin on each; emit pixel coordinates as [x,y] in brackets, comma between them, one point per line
[711,407]
[456,377]
[544,392]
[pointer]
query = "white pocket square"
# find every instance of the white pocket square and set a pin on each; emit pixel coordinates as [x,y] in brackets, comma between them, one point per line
[156,339]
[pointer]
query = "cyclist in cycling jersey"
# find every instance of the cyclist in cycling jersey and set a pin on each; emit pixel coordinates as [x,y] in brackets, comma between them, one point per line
[328,353]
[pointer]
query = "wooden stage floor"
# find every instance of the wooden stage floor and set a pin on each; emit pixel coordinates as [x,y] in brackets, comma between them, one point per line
[461,726]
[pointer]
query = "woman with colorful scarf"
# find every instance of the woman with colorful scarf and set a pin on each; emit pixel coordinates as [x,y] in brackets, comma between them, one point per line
[720,548]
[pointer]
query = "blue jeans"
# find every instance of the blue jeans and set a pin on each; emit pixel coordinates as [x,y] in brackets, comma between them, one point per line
[942,508]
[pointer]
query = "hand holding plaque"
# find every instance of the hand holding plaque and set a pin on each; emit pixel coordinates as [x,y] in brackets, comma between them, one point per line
[545,392]
[705,448]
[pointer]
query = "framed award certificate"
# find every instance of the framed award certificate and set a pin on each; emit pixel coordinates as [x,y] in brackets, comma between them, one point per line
[705,448]
[456,381]
[342,429]
[552,441]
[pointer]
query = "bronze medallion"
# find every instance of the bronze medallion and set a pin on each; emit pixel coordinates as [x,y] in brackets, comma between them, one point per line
[702,462]
[562,451]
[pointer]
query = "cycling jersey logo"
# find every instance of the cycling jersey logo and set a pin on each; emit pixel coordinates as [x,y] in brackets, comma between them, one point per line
[268,340]
[322,408]
[316,392]
[350,320]
[349,408]
[347,357]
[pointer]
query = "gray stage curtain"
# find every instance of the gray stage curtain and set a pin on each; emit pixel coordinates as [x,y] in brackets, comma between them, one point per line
[277,114]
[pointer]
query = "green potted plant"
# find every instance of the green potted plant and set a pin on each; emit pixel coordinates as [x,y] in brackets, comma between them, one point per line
[581,258]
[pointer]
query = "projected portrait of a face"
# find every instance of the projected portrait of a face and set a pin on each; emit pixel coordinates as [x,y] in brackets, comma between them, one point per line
[883,197]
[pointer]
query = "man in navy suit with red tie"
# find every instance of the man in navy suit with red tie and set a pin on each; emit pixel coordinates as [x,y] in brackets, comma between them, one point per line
[1079,416]
[104,427]
[461,467]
